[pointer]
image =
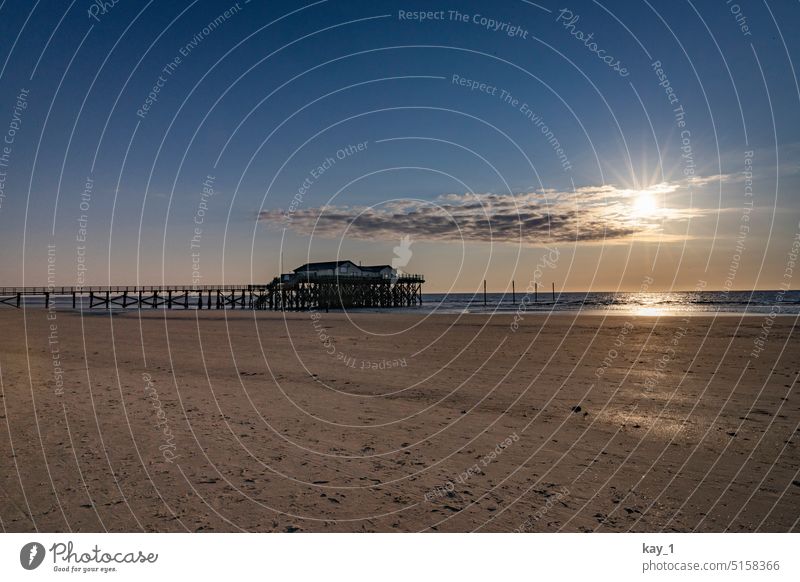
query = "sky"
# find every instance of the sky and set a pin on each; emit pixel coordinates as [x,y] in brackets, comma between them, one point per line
[596,145]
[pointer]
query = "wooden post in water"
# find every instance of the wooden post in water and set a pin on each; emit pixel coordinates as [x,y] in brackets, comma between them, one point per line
[513,294]
[484,292]
[554,292]
[535,292]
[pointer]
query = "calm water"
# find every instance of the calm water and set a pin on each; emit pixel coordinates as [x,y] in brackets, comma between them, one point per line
[755,302]
[680,303]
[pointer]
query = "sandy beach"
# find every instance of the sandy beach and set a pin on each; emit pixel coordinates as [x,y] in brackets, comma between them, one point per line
[177,421]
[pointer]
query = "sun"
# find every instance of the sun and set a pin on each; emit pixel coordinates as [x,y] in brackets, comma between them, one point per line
[645,205]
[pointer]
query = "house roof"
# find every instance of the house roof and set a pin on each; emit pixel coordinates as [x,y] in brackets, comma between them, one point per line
[322,266]
[376,268]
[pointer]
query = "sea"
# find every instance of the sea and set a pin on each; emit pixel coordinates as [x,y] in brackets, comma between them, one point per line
[609,303]
[667,303]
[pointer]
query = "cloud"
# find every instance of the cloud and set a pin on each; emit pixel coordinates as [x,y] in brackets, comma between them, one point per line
[588,214]
[700,181]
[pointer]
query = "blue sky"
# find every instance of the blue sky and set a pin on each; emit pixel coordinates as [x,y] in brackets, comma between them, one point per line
[261,99]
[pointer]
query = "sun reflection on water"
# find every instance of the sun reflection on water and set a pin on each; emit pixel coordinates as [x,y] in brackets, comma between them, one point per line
[651,311]
[654,305]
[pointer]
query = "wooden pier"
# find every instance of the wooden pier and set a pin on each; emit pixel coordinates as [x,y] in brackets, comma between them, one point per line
[334,292]
[141,297]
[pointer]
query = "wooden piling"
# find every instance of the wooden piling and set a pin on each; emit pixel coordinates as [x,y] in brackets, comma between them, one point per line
[513,294]
[554,292]
[484,292]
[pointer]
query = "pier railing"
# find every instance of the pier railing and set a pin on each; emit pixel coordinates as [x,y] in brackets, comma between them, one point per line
[79,289]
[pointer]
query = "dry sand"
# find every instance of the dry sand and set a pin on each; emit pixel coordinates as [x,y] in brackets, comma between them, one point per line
[228,421]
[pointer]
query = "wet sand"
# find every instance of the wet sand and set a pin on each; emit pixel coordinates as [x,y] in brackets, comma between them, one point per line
[229,421]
